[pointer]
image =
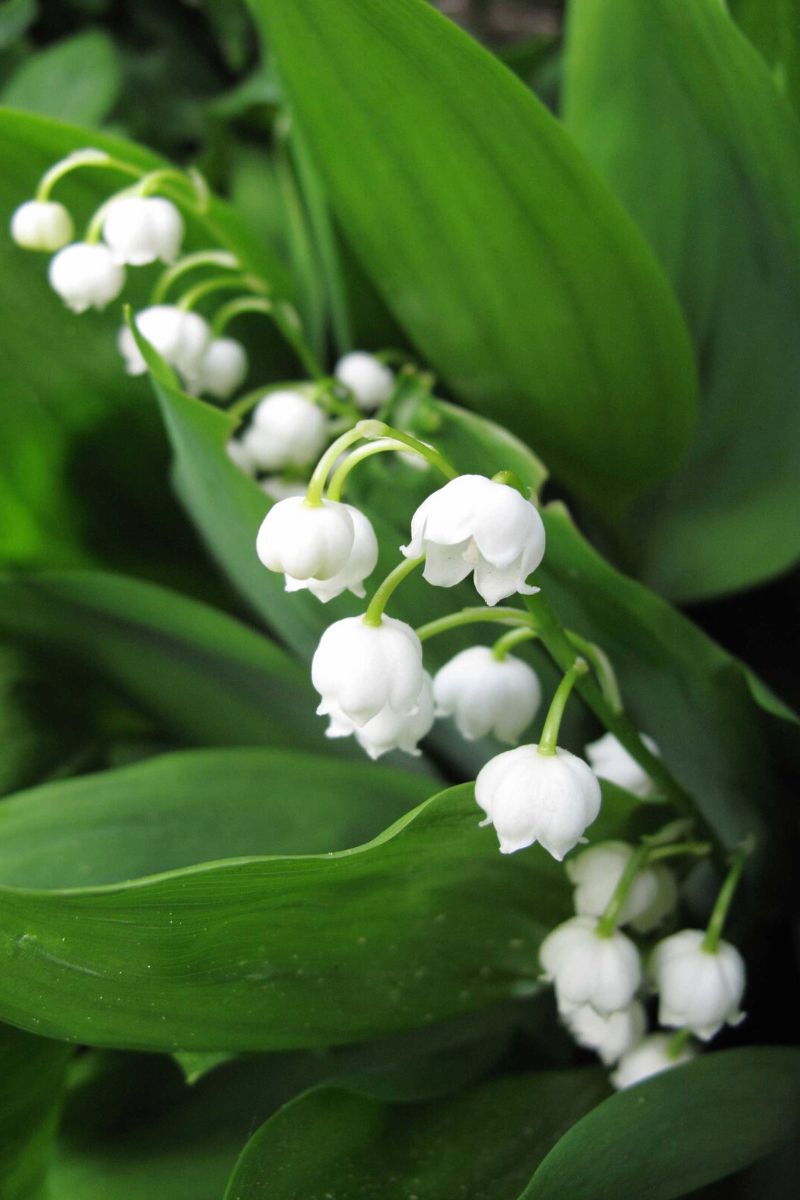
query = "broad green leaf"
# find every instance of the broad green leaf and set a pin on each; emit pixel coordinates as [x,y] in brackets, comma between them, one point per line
[202,676]
[679,1130]
[31,1070]
[504,258]
[680,114]
[77,79]
[16,16]
[483,1143]
[427,921]
[193,807]
[773,26]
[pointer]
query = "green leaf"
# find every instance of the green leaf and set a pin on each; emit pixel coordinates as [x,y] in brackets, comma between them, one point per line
[485,1142]
[204,677]
[678,1130]
[514,271]
[167,813]
[773,26]
[32,1071]
[680,114]
[427,921]
[77,79]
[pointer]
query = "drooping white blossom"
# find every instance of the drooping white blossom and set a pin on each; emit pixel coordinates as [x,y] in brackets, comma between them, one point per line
[610,760]
[474,524]
[237,453]
[359,669]
[487,695]
[596,873]
[180,337]
[587,968]
[306,542]
[360,563]
[609,1036]
[390,730]
[370,381]
[223,367]
[41,225]
[287,430]
[531,797]
[85,275]
[650,1057]
[141,229]
[699,989]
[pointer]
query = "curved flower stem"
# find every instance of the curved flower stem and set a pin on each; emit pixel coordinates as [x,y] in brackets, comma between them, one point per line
[699,849]
[724,900]
[548,742]
[367,451]
[374,613]
[677,1042]
[153,180]
[82,158]
[376,429]
[219,283]
[601,665]
[283,316]
[316,484]
[608,922]
[200,258]
[471,616]
[511,639]
[562,652]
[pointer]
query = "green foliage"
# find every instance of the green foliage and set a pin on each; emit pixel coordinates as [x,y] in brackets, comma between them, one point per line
[31,1070]
[77,80]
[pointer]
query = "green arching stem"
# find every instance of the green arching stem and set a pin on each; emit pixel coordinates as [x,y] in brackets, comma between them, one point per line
[219,283]
[81,158]
[153,180]
[367,451]
[698,849]
[376,429]
[726,893]
[374,613]
[319,477]
[562,651]
[608,921]
[282,315]
[601,665]
[548,743]
[513,481]
[511,639]
[471,616]
[677,1042]
[200,258]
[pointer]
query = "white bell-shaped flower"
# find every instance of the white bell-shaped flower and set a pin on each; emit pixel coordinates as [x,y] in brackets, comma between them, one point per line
[359,670]
[370,381]
[487,695]
[699,989]
[86,276]
[41,225]
[474,524]
[237,453]
[531,797]
[587,968]
[610,760]
[287,430]
[141,229]
[360,563]
[180,337]
[390,730]
[306,542]
[223,367]
[596,873]
[609,1036]
[650,1057]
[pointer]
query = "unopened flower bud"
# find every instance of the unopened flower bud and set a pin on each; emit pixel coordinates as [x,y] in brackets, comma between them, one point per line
[609,1036]
[287,430]
[41,225]
[86,276]
[487,695]
[360,563]
[587,968]
[367,378]
[359,670]
[223,367]
[306,542]
[531,797]
[474,524]
[596,873]
[610,760]
[650,1057]
[180,337]
[141,229]
[699,989]
[390,730]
